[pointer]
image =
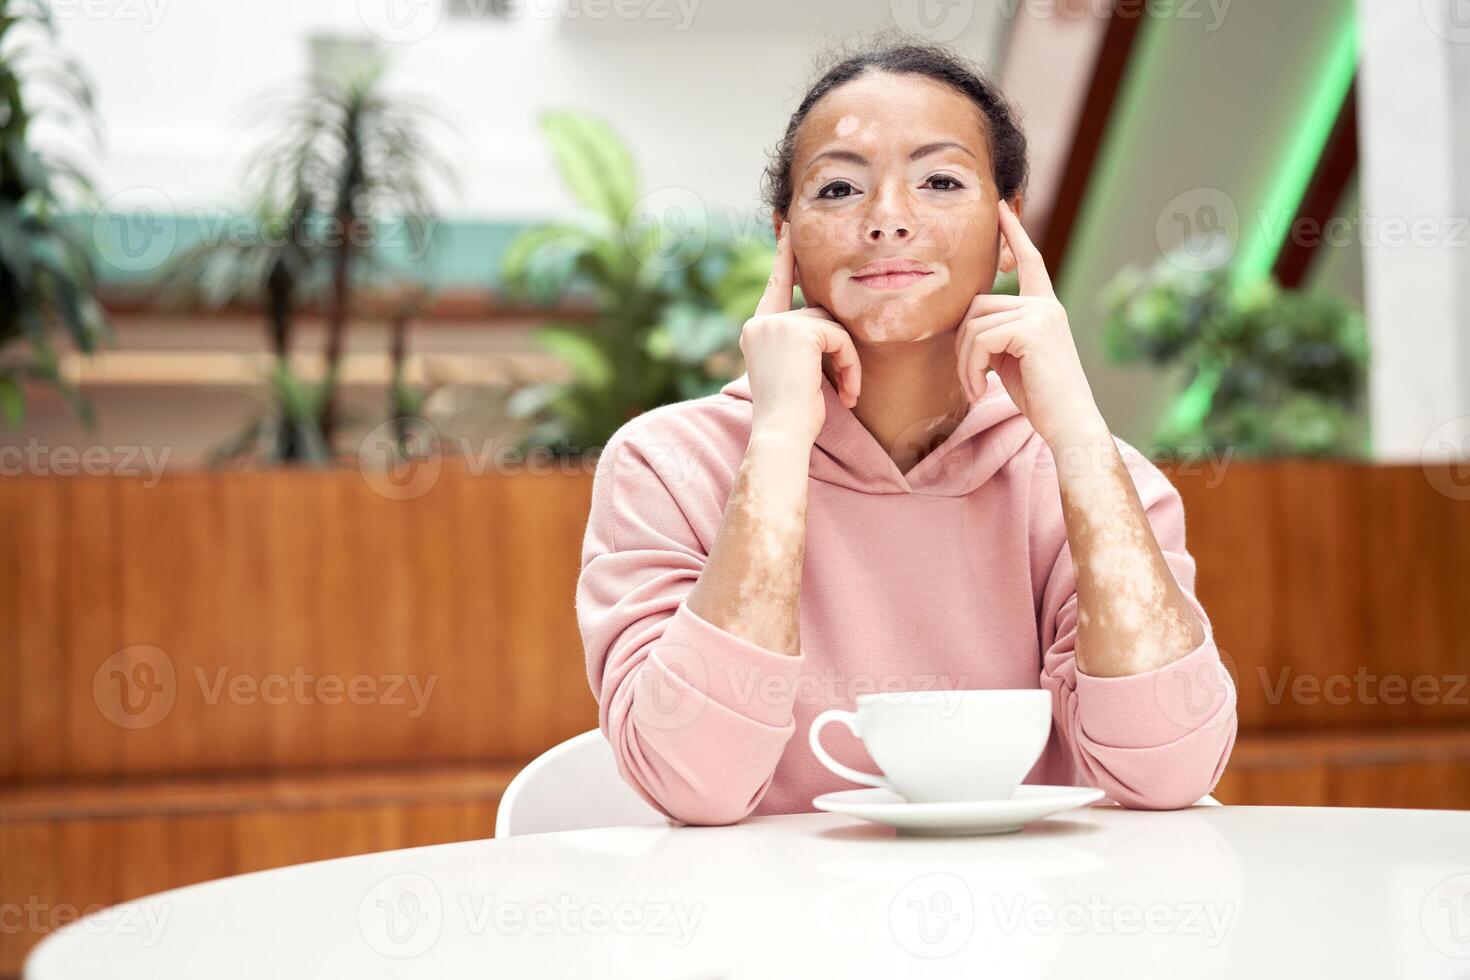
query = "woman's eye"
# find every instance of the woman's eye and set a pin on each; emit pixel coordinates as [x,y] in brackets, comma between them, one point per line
[946,182]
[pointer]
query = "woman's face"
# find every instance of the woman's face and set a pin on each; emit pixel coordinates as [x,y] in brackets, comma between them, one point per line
[894,166]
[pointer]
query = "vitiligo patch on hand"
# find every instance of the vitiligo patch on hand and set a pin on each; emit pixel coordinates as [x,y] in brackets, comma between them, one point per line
[771,571]
[1131,591]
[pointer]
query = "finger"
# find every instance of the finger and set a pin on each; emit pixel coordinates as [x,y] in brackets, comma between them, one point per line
[1030,266]
[1004,339]
[814,311]
[977,325]
[977,360]
[966,349]
[835,341]
[777,297]
[967,375]
[975,371]
[963,341]
[984,303]
[989,321]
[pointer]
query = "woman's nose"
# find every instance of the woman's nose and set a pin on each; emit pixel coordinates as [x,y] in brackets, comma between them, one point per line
[889,217]
[898,231]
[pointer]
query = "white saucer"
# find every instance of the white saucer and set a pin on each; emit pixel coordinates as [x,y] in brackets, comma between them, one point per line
[957,819]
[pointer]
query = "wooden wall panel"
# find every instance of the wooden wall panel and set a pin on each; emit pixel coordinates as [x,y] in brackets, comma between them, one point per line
[1332,575]
[256,587]
[1425,768]
[1333,578]
[1324,571]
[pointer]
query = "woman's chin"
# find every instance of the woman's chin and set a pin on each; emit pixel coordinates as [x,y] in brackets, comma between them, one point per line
[889,330]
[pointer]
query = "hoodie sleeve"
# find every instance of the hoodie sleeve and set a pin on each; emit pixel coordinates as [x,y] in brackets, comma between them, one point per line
[697,717]
[1157,740]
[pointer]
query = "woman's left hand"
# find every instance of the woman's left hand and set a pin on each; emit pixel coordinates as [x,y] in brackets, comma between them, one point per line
[1027,340]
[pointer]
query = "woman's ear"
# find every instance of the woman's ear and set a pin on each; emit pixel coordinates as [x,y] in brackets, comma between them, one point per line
[1007,260]
[1007,257]
[777,221]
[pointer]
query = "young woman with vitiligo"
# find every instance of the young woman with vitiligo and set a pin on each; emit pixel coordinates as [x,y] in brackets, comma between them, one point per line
[910,487]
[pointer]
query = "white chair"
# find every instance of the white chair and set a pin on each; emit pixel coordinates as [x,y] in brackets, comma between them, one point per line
[572,786]
[576,786]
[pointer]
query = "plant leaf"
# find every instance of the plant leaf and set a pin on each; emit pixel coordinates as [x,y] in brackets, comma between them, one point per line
[12,400]
[594,162]
[579,350]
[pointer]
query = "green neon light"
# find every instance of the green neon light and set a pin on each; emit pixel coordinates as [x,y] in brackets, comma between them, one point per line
[1193,404]
[1261,241]
[1108,168]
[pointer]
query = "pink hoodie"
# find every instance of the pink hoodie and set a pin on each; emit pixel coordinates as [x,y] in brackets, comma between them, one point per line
[954,576]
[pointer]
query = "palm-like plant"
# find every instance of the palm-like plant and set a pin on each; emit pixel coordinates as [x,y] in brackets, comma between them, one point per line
[271,272]
[346,159]
[355,157]
[46,274]
[670,293]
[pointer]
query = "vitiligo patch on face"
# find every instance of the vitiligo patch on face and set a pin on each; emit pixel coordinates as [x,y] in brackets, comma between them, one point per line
[877,315]
[847,125]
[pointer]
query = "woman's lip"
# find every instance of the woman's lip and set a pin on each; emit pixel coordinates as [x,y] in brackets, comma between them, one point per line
[891,280]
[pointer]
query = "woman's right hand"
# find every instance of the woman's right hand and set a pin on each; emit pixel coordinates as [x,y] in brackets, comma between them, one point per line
[783,351]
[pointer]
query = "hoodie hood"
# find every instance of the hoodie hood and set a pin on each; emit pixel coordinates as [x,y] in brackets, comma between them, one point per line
[847,455]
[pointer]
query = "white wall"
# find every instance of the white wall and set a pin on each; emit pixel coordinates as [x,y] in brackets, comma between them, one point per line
[1414,109]
[1048,66]
[701,91]
[701,88]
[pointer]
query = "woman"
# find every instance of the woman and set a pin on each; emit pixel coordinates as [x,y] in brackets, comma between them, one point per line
[869,508]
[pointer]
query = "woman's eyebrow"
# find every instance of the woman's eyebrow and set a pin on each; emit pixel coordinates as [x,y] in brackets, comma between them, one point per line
[858,158]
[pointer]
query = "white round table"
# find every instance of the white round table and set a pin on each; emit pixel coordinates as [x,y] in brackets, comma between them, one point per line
[1097,892]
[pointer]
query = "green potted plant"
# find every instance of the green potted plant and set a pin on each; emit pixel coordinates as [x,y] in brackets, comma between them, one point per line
[360,157]
[348,159]
[270,269]
[46,273]
[669,293]
[1271,371]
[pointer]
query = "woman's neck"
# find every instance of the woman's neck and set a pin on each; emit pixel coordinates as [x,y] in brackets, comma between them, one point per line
[911,397]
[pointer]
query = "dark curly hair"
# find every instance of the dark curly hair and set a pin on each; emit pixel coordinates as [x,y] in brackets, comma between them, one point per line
[999,119]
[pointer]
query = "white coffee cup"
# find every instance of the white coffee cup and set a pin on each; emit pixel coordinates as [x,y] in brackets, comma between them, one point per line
[944,746]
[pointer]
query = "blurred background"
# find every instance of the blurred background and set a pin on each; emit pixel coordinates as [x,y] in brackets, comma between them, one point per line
[313,316]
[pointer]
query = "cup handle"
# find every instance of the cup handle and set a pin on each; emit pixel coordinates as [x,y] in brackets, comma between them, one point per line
[850,720]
